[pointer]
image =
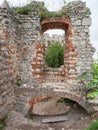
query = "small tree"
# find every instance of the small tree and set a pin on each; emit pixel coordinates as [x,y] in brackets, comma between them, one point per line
[54,55]
[92,77]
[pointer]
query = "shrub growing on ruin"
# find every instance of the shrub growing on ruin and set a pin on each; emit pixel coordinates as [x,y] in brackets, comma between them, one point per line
[92,76]
[54,55]
[3,122]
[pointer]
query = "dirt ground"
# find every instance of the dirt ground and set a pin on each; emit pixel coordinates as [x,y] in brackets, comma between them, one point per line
[74,123]
[77,118]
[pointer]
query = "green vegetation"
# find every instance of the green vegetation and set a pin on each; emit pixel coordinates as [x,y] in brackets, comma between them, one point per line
[92,93]
[18,82]
[92,76]
[28,9]
[66,100]
[93,126]
[3,121]
[54,55]
[43,11]
[22,10]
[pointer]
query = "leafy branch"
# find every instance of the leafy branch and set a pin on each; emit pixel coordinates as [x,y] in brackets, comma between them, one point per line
[91,87]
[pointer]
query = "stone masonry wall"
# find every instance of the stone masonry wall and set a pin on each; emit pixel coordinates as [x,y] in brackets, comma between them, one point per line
[38,62]
[22,56]
[28,38]
[28,27]
[18,34]
[54,74]
[8,60]
[81,21]
[78,55]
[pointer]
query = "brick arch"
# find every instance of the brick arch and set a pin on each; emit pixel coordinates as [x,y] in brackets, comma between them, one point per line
[56,23]
[63,23]
[83,103]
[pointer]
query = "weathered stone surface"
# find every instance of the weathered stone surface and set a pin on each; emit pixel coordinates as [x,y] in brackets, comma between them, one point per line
[86,21]
[15,119]
[57,108]
[54,119]
[5,5]
[22,54]
[77,23]
[11,128]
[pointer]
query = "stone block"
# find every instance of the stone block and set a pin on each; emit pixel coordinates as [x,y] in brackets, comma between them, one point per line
[77,23]
[27,25]
[72,71]
[5,5]
[86,21]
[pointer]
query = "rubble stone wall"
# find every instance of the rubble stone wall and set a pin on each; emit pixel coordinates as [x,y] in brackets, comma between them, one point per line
[8,61]
[18,34]
[54,74]
[22,52]
[78,54]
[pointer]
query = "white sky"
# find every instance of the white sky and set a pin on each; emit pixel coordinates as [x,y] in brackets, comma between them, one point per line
[57,4]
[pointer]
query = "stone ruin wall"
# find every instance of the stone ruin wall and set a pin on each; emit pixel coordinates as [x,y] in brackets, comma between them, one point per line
[21,51]
[81,22]
[54,74]
[8,60]
[18,34]
[28,33]
[80,59]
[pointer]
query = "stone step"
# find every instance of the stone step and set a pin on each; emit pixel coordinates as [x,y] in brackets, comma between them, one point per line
[96,108]
[54,119]
[55,86]
[93,101]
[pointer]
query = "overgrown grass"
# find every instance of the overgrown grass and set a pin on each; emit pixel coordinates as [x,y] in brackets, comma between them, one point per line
[43,11]
[93,126]
[22,10]
[3,121]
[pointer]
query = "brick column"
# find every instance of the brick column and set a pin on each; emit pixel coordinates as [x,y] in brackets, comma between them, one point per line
[70,57]
[37,62]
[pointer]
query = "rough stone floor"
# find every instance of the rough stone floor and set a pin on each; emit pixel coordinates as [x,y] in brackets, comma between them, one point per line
[16,121]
